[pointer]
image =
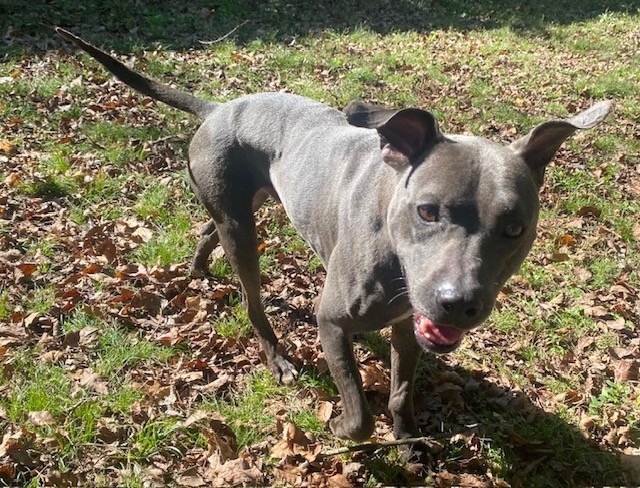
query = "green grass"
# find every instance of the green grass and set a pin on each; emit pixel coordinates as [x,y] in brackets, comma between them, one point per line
[40,300]
[5,305]
[244,411]
[170,243]
[251,411]
[89,153]
[119,349]
[235,325]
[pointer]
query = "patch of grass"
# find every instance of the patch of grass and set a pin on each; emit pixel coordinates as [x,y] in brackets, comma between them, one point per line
[154,202]
[613,394]
[122,398]
[170,243]
[619,82]
[103,187]
[5,306]
[155,437]
[46,247]
[245,411]
[79,320]
[119,144]
[41,300]
[314,264]
[249,414]
[220,268]
[568,449]
[387,468]
[120,350]
[268,263]
[36,386]
[605,271]
[235,325]
[507,320]
[50,186]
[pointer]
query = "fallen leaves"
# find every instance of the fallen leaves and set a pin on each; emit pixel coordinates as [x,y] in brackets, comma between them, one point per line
[478,398]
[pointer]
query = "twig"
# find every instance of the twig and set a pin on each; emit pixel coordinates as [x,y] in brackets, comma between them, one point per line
[428,441]
[219,39]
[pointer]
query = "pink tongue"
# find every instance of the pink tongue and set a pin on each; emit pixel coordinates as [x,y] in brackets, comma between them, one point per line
[438,334]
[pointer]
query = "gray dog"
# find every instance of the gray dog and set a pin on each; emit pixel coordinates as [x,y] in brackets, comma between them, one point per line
[416,229]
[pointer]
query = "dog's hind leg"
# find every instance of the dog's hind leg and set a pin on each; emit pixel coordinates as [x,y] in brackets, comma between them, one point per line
[237,233]
[209,239]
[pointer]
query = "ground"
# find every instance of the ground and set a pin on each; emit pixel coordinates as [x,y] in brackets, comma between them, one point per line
[120,369]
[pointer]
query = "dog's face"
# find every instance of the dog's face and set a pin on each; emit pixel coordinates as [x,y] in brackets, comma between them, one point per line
[463,215]
[461,221]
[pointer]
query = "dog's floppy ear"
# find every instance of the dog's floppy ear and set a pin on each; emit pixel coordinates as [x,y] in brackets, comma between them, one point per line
[539,146]
[406,135]
[367,115]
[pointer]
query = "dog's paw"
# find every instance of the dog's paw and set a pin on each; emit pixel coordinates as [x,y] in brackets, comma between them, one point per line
[357,428]
[284,371]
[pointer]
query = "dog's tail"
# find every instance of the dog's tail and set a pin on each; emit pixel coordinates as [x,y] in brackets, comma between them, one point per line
[176,98]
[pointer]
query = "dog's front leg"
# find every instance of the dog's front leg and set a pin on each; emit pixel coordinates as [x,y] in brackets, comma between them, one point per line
[405,354]
[356,421]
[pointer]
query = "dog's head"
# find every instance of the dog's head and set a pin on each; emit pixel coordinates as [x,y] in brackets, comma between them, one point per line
[464,213]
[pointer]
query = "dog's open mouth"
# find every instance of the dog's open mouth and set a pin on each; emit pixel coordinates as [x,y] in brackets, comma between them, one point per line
[436,337]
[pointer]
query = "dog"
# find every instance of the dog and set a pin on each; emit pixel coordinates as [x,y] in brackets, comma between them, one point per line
[416,229]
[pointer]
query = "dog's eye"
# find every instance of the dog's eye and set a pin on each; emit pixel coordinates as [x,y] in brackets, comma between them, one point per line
[513,230]
[428,213]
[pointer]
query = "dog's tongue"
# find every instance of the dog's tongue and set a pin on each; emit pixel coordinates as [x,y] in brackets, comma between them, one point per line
[437,334]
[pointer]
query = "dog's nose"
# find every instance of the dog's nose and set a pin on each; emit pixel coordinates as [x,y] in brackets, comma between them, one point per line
[457,305]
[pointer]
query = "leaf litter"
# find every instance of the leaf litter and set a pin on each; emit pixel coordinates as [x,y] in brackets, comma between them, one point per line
[466,396]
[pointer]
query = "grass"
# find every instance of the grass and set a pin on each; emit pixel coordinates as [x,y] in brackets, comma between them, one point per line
[89,155]
[252,411]
[77,412]
[41,300]
[169,243]
[235,325]
[5,305]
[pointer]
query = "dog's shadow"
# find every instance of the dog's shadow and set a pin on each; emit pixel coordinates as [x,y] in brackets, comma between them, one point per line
[489,432]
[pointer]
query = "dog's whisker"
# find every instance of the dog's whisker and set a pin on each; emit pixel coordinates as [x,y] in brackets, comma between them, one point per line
[399,295]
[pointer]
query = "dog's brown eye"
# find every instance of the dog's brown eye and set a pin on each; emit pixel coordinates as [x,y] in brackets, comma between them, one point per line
[513,230]
[428,213]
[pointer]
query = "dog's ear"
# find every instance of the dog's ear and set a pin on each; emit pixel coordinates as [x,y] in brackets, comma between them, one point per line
[539,146]
[406,135]
[367,115]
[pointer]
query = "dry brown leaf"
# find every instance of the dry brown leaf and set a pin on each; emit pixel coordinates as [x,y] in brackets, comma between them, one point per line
[558,257]
[25,270]
[191,478]
[626,370]
[374,377]
[338,481]
[630,462]
[171,338]
[617,324]
[41,417]
[7,147]
[15,446]
[291,475]
[325,409]
[236,472]
[590,211]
